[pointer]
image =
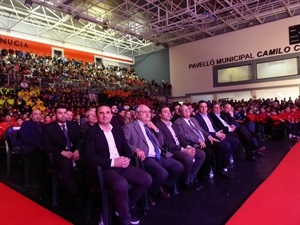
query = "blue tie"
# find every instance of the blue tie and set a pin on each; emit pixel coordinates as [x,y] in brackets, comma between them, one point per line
[198,133]
[63,127]
[151,138]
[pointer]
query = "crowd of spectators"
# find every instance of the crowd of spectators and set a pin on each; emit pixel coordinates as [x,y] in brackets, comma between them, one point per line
[30,81]
[61,71]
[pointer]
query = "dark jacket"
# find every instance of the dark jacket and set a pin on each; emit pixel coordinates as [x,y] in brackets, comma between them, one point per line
[95,146]
[54,141]
[31,135]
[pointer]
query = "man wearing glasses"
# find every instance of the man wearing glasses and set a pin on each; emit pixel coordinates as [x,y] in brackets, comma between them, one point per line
[145,141]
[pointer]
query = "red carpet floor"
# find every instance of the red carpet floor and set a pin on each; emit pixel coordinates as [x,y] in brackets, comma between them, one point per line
[277,200]
[15,209]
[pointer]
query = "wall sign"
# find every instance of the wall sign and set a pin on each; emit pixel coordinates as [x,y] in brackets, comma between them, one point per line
[246,56]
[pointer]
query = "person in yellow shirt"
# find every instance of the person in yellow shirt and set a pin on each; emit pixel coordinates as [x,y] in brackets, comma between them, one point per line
[10,100]
[39,105]
[2,101]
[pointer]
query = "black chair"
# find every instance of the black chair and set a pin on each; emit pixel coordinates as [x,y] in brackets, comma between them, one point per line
[97,189]
[13,146]
[280,132]
[54,179]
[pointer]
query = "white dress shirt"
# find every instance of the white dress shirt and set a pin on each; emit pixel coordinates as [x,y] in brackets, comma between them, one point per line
[151,152]
[113,151]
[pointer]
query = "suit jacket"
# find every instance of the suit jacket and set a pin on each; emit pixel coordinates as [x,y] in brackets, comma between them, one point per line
[202,124]
[54,141]
[31,136]
[95,146]
[187,131]
[83,129]
[169,141]
[136,139]
[229,119]
[217,122]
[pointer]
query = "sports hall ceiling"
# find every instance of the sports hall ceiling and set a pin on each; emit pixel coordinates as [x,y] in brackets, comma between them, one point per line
[135,27]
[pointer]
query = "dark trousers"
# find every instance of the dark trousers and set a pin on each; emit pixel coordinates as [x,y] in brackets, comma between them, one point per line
[208,162]
[38,169]
[118,180]
[220,151]
[234,145]
[191,164]
[247,140]
[65,166]
[165,171]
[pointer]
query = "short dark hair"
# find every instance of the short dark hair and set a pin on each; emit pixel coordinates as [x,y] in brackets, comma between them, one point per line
[159,110]
[60,107]
[201,101]
[102,105]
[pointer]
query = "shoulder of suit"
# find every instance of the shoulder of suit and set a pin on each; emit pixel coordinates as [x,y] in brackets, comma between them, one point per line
[178,120]
[158,123]
[193,119]
[117,128]
[54,123]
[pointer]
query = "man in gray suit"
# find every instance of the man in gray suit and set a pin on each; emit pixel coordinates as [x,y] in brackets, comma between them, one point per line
[196,136]
[192,158]
[145,140]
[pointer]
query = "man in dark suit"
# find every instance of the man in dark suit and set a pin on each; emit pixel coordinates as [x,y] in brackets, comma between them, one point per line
[31,136]
[226,121]
[196,136]
[145,140]
[105,145]
[91,119]
[206,123]
[117,118]
[192,158]
[61,138]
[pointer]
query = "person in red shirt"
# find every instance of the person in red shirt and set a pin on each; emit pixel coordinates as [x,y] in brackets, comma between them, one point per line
[251,116]
[289,121]
[263,120]
[8,121]
[251,120]
[278,122]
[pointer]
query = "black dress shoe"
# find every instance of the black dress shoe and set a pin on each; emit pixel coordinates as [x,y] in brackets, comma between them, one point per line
[198,187]
[260,153]
[260,149]
[252,159]
[77,203]
[224,174]
[152,202]
[195,181]
[204,179]
[164,194]
[186,186]
[229,165]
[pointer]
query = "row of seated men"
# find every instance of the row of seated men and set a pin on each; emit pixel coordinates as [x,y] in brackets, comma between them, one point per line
[182,151]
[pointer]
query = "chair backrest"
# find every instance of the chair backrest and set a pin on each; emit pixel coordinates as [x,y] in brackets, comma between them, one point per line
[12,139]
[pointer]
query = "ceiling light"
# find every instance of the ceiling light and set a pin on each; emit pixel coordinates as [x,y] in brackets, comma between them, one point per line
[105,26]
[76,18]
[28,3]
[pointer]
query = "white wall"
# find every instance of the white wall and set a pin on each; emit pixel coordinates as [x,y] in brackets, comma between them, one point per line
[102,54]
[251,40]
[197,98]
[239,95]
[280,93]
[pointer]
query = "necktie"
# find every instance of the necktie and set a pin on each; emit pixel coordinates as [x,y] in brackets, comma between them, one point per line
[151,138]
[197,132]
[38,127]
[63,127]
